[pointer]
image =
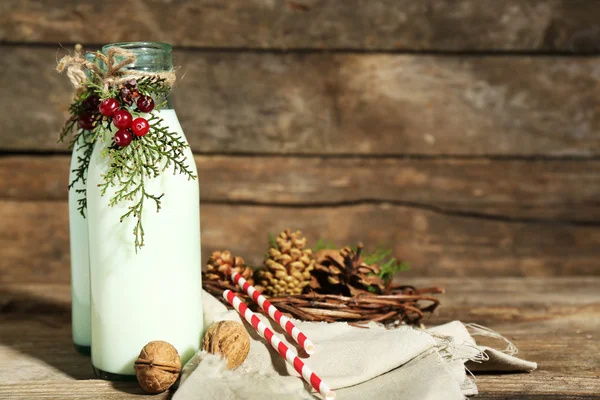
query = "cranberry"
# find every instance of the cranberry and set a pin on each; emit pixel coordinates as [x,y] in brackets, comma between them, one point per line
[91,103]
[86,121]
[108,107]
[122,119]
[145,104]
[140,126]
[123,137]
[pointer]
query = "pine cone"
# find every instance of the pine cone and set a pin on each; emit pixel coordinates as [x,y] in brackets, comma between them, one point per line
[288,266]
[221,265]
[344,272]
[129,91]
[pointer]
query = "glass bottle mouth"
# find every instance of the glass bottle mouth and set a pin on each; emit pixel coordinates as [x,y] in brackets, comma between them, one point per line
[140,46]
[150,56]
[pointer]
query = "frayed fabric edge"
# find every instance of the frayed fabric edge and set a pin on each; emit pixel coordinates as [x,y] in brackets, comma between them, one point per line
[480,330]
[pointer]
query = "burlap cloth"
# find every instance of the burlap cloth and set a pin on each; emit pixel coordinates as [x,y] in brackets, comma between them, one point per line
[358,363]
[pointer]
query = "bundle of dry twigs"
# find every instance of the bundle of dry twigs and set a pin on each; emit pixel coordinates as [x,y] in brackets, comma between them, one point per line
[402,304]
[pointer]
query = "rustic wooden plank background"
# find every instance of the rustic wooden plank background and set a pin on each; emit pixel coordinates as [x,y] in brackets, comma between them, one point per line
[465,134]
[440,25]
[367,104]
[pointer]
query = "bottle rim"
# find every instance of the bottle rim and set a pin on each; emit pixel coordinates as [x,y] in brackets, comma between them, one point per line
[144,46]
[150,56]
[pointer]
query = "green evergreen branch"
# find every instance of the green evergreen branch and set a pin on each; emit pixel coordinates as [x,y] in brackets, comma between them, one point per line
[154,86]
[75,109]
[82,201]
[96,87]
[388,264]
[67,128]
[80,172]
[131,166]
[83,162]
[145,158]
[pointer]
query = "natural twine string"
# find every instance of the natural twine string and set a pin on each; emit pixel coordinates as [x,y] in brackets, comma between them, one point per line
[76,65]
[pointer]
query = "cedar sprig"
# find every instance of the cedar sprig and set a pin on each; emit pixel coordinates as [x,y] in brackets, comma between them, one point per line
[154,86]
[75,109]
[145,158]
[67,128]
[130,167]
[83,162]
[86,143]
[169,146]
[389,265]
[128,173]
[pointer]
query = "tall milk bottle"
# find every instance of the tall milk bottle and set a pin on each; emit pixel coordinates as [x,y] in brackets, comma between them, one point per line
[153,293]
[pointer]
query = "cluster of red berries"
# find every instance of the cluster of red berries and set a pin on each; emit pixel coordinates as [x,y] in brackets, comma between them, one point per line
[90,114]
[123,120]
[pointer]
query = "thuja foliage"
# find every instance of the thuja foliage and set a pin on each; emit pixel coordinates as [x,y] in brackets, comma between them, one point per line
[142,157]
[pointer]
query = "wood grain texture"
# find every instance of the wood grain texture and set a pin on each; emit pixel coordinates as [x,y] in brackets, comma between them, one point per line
[37,360]
[76,390]
[541,386]
[558,190]
[390,25]
[35,237]
[368,104]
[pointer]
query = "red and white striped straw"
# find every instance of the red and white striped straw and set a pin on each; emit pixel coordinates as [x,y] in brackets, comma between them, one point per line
[290,355]
[274,313]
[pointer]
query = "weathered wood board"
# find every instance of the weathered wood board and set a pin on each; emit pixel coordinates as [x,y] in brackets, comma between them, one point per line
[323,103]
[546,318]
[389,25]
[551,191]
[35,237]
[462,133]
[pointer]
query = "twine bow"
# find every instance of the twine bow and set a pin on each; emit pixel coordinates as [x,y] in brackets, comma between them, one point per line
[76,65]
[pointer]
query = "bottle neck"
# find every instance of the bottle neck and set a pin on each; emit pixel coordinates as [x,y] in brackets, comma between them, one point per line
[150,57]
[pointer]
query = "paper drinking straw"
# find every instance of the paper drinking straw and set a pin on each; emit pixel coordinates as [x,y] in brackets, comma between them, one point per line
[274,313]
[290,356]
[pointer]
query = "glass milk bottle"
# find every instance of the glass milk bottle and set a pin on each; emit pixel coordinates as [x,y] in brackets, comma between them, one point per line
[78,237]
[154,293]
[80,265]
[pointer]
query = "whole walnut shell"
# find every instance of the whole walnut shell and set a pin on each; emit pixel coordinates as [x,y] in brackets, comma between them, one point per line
[158,366]
[228,339]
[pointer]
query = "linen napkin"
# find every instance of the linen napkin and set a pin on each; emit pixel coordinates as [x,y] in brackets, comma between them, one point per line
[358,363]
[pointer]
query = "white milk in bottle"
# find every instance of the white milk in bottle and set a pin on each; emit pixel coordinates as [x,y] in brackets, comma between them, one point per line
[80,257]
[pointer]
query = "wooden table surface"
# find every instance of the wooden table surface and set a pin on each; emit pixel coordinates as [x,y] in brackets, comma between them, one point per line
[553,321]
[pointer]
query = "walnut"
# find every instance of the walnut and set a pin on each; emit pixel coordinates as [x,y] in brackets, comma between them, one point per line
[228,339]
[158,366]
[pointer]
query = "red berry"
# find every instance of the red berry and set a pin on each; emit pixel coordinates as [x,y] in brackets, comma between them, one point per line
[108,107]
[91,103]
[123,137]
[86,121]
[145,104]
[140,126]
[122,119]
